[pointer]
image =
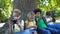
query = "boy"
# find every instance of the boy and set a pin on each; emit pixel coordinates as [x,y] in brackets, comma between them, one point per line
[30,23]
[15,24]
[41,25]
[49,20]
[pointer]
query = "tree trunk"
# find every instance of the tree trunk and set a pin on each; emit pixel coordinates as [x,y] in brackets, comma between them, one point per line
[25,6]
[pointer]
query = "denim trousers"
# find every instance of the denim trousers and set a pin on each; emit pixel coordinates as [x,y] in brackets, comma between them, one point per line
[43,31]
[26,32]
[55,28]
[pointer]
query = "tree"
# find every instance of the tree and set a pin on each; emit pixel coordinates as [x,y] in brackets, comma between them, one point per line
[49,5]
[25,6]
[5,10]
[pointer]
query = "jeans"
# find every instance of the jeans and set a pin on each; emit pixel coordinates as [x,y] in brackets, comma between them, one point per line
[56,26]
[23,32]
[48,31]
[43,31]
[26,32]
[17,32]
[54,31]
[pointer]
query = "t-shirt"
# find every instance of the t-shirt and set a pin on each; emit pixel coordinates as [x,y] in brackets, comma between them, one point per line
[49,21]
[16,27]
[30,23]
[41,23]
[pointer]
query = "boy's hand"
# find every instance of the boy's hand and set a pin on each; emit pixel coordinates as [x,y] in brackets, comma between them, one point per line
[20,26]
[35,27]
[18,21]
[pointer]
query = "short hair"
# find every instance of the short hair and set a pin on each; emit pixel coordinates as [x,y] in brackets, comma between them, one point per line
[17,11]
[53,19]
[30,13]
[37,10]
[48,13]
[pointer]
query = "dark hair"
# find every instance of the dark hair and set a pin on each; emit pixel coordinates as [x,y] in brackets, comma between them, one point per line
[48,13]
[53,19]
[37,10]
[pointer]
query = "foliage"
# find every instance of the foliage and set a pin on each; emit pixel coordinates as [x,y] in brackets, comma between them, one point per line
[49,5]
[5,9]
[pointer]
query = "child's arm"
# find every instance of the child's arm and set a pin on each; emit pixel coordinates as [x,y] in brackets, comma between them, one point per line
[35,26]
[27,26]
[10,26]
[20,26]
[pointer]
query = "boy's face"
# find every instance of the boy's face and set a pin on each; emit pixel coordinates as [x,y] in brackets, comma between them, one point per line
[16,15]
[37,14]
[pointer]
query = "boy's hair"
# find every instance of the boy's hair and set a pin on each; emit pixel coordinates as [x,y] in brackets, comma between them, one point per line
[17,11]
[37,10]
[30,13]
[53,19]
[48,13]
